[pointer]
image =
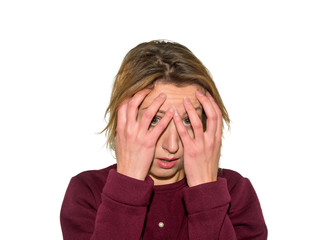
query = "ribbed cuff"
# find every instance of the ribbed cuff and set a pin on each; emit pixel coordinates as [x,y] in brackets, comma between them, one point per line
[206,196]
[127,190]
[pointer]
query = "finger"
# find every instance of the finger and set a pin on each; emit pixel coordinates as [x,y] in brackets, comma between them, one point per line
[151,111]
[218,133]
[182,130]
[134,104]
[163,123]
[210,113]
[122,115]
[194,119]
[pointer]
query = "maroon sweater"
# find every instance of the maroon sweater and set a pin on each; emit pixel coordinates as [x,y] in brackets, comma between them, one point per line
[103,205]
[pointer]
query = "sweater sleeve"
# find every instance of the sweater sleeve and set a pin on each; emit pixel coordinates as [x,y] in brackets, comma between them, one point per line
[215,213]
[120,214]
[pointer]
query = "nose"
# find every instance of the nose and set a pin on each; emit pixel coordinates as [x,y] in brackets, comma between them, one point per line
[170,138]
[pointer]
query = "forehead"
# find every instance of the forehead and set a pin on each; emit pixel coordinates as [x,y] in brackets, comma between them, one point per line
[175,95]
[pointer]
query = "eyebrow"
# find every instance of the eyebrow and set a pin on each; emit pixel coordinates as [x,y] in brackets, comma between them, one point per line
[163,112]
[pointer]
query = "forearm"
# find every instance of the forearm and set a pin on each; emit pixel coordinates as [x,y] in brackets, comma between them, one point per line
[123,208]
[207,207]
[216,213]
[120,214]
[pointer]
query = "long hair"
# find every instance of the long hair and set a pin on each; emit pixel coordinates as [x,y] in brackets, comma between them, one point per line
[158,60]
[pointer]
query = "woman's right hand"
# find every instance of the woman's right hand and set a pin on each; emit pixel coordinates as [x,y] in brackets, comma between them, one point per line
[135,143]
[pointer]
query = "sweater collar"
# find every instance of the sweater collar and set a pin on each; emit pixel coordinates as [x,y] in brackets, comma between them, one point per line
[171,187]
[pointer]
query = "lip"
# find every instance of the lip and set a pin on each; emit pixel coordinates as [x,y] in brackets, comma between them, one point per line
[170,162]
[168,159]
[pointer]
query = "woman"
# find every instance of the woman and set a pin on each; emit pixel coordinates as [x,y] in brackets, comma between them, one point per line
[165,125]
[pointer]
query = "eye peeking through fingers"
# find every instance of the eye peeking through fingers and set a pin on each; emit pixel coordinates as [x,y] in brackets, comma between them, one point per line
[155,120]
[186,122]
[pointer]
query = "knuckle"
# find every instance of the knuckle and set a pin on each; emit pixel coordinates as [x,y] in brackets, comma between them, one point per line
[192,153]
[148,144]
[197,125]
[147,114]
[210,145]
[119,128]
[161,125]
[207,101]
[132,103]
[129,134]
[184,134]
[213,117]
[209,142]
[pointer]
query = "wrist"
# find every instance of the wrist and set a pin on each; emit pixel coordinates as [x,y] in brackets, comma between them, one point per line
[192,182]
[132,174]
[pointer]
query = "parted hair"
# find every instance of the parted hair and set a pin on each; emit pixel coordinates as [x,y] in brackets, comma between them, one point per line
[158,60]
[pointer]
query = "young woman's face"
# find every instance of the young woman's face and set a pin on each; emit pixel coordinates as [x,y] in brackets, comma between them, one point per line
[167,165]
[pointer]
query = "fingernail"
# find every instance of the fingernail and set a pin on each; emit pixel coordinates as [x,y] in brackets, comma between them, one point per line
[208,94]
[162,95]
[199,93]
[171,109]
[175,113]
[187,100]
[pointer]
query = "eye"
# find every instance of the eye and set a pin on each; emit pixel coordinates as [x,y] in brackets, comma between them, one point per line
[186,121]
[155,120]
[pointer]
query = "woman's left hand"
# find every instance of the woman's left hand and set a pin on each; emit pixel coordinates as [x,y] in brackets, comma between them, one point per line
[202,151]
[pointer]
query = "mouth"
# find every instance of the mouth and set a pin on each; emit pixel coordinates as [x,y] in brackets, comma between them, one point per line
[168,159]
[167,163]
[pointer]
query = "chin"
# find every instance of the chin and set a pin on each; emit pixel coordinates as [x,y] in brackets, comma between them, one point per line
[165,174]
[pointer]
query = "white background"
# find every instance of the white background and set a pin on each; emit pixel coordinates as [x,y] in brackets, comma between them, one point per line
[57,64]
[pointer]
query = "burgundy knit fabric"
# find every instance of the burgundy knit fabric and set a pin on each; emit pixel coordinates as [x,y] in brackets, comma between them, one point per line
[103,204]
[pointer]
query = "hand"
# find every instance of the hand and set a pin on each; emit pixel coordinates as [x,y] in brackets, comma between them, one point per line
[134,142]
[201,152]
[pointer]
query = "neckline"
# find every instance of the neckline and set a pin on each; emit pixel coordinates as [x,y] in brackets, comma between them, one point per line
[171,186]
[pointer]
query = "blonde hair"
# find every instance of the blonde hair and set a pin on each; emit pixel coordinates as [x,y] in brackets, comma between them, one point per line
[168,62]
